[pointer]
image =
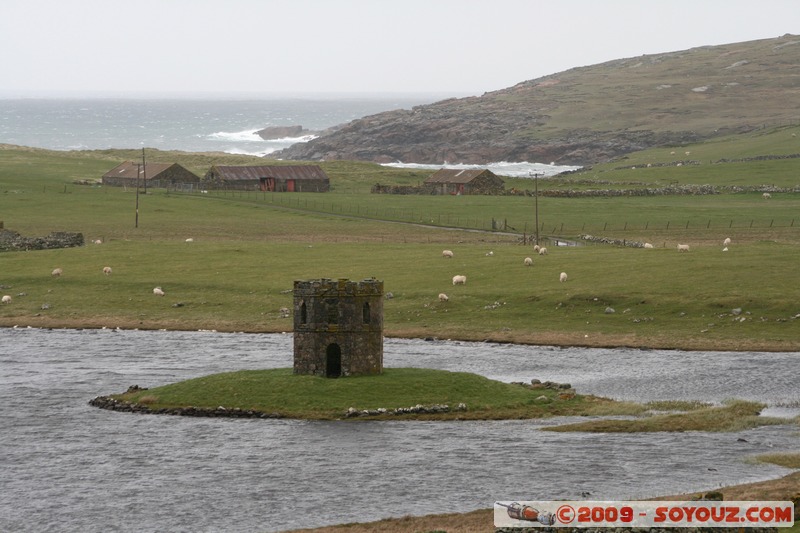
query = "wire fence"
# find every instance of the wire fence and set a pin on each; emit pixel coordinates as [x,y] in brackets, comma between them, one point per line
[520,226]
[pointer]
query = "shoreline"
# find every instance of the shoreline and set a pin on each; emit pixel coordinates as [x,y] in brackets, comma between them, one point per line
[554,338]
[785,488]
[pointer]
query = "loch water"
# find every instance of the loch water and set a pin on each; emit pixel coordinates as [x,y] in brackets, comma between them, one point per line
[67,466]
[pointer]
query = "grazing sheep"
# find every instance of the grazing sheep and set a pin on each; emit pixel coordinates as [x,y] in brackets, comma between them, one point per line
[727,241]
[725,249]
[459,280]
[766,196]
[648,245]
[489,254]
[97,241]
[189,240]
[447,254]
[542,251]
[57,272]
[528,262]
[6,299]
[158,292]
[106,270]
[563,277]
[443,297]
[536,248]
[683,247]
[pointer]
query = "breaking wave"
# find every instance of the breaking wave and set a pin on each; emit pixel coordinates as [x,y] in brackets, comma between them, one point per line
[521,169]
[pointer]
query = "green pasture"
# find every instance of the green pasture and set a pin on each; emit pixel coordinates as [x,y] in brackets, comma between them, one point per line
[247,248]
[660,297]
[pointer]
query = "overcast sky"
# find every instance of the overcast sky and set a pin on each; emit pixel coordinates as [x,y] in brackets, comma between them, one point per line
[296,47]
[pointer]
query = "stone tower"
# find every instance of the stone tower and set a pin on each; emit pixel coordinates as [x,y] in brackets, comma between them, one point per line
[338,327]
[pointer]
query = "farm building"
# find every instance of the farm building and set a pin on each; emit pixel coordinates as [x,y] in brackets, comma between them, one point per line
[290,178]
[157,175]
[465,181]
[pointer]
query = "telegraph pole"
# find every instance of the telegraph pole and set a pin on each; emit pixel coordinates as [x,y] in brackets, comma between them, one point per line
[536,202]
[144,171]
[138,172]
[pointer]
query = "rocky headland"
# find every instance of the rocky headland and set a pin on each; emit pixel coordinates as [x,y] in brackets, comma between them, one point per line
[584,115]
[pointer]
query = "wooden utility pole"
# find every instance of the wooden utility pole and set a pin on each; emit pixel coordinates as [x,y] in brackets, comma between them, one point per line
[144,171]
[536,202]
[138,172]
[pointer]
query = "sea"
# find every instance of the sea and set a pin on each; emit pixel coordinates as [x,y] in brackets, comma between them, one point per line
[218,124]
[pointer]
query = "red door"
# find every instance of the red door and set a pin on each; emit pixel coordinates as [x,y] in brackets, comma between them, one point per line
[290,185]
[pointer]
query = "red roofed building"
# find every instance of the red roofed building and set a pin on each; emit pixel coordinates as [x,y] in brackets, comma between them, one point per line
[269,178]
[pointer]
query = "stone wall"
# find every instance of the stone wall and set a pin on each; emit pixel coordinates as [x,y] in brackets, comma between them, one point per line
[13,241]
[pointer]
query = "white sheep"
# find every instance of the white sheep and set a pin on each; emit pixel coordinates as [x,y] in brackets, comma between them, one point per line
[648,245]
[536,248]
[459,280]
[542,251]
[106,270]
[6,299]
[98,241]
[683,247]
[725,249]
[57,272]
[727,241]
[489,253]
[766,196]
[443,297]
[563,277]
[447,254]
[528,262]
[189,240]
[158,292]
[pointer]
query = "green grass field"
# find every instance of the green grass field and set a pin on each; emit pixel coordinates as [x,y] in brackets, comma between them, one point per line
[248,248]
[303,396]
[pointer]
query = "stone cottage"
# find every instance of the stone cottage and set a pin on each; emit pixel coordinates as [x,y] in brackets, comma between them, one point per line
[465,181]
[156,175]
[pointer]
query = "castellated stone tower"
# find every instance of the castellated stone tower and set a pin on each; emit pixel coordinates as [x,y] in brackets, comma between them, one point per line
[338,327]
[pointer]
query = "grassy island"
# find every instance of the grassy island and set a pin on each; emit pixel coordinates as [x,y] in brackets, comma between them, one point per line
[393,394]
[425,394]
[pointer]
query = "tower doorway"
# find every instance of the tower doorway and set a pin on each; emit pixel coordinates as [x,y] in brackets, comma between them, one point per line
[333,361]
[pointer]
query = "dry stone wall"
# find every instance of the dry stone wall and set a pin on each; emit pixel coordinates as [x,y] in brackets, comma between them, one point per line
[12,241]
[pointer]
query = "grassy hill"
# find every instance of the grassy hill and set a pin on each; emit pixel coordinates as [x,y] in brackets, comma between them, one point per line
[588,114]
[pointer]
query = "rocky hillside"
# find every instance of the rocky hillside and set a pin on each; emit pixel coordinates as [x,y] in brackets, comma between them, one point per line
[587,114]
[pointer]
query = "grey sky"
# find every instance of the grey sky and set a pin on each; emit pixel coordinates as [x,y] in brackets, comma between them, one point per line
[457,47]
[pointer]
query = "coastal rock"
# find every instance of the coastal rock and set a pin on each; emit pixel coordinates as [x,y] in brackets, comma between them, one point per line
[281,132]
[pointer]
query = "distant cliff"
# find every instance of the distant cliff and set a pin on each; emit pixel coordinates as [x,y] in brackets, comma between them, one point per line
[586,114]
